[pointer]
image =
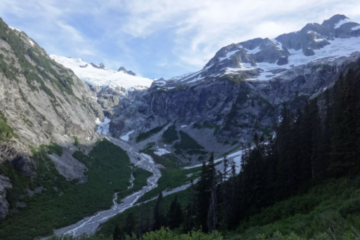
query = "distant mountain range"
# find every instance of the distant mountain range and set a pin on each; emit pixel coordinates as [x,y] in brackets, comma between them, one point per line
[240,91]
[266,59]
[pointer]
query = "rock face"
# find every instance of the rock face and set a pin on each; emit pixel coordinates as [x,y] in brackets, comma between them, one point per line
[100,66]
[122,69]
[240,91]
[40,102]
[68,166]
[257,59]
[4,205]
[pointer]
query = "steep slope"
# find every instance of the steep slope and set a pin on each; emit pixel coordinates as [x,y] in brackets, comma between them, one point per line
[111,86]
[41,102]
[97,76]
[240,91]
[265,59]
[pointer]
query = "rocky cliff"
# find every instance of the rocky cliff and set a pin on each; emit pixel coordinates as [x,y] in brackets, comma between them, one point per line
[240,91]
[40,102]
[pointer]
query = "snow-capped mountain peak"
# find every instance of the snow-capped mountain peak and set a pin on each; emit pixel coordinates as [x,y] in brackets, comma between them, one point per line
[265,59]
[98,75]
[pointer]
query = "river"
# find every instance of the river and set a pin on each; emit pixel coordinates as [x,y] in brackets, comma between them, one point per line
[89,225]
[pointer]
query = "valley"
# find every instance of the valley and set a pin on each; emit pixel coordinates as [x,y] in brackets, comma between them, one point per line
[252,146]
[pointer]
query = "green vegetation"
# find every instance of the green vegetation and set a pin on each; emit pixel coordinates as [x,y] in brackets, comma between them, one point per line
[42,72]
[172,175]
[6,132]
[238,79]
[94,237]
[209,126]
[140,181]
[61,202]
[188,144]
[55,148]
[167,160]
[146,210]
[170,135]
[171,178]
[166,234]
[76,141]
[145,135]
[327,209]
[28,122]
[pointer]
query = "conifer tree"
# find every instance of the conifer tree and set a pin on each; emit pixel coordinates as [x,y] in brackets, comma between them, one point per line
[175,215]
[158,213]
[117,234]
[129,224]
[202,199]
[212,218]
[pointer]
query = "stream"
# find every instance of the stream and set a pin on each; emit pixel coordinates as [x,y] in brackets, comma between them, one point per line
[89,225]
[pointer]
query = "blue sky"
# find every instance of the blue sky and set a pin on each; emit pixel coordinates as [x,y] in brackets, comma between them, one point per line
[160,38]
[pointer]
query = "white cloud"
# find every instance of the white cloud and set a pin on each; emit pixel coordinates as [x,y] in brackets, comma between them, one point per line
[202,27]
[70,32]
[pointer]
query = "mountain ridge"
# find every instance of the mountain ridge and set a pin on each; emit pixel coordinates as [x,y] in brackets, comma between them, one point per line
[264,59]
[240,91]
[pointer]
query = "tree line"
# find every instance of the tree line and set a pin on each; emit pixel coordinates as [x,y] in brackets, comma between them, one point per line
[317,142]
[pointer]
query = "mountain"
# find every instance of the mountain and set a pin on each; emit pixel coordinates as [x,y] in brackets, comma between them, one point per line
[240,91]
[99,76]
[41,102]
[111,87]
[122,69]
[266,59]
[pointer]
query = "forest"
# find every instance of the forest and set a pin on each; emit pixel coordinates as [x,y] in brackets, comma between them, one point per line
[313,147]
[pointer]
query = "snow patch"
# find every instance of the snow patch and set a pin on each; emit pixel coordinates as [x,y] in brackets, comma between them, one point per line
[126,137]
[31,42]
[341,22]
[253,51]
[101,77]
[355,28]
[161,151]
[237,161]
[278,44]
[103,127]
[182,126]
[228,55]
[12,28]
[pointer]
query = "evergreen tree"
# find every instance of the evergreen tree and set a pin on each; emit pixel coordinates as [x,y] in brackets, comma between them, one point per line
[117,235]
[129,224]
[158,213]
[190,211]
[175,215]
[202,199]
[140,224]
[344,139]
[212,218]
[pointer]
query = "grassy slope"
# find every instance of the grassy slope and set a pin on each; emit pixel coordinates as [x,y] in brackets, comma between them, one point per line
[63,203]
[333,205]
[140,181]
[146,135]
[172,175]
[147,208]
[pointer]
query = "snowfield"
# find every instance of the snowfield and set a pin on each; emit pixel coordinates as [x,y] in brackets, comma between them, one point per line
[103,127]
[126,137]
[161,151]
[101,77]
